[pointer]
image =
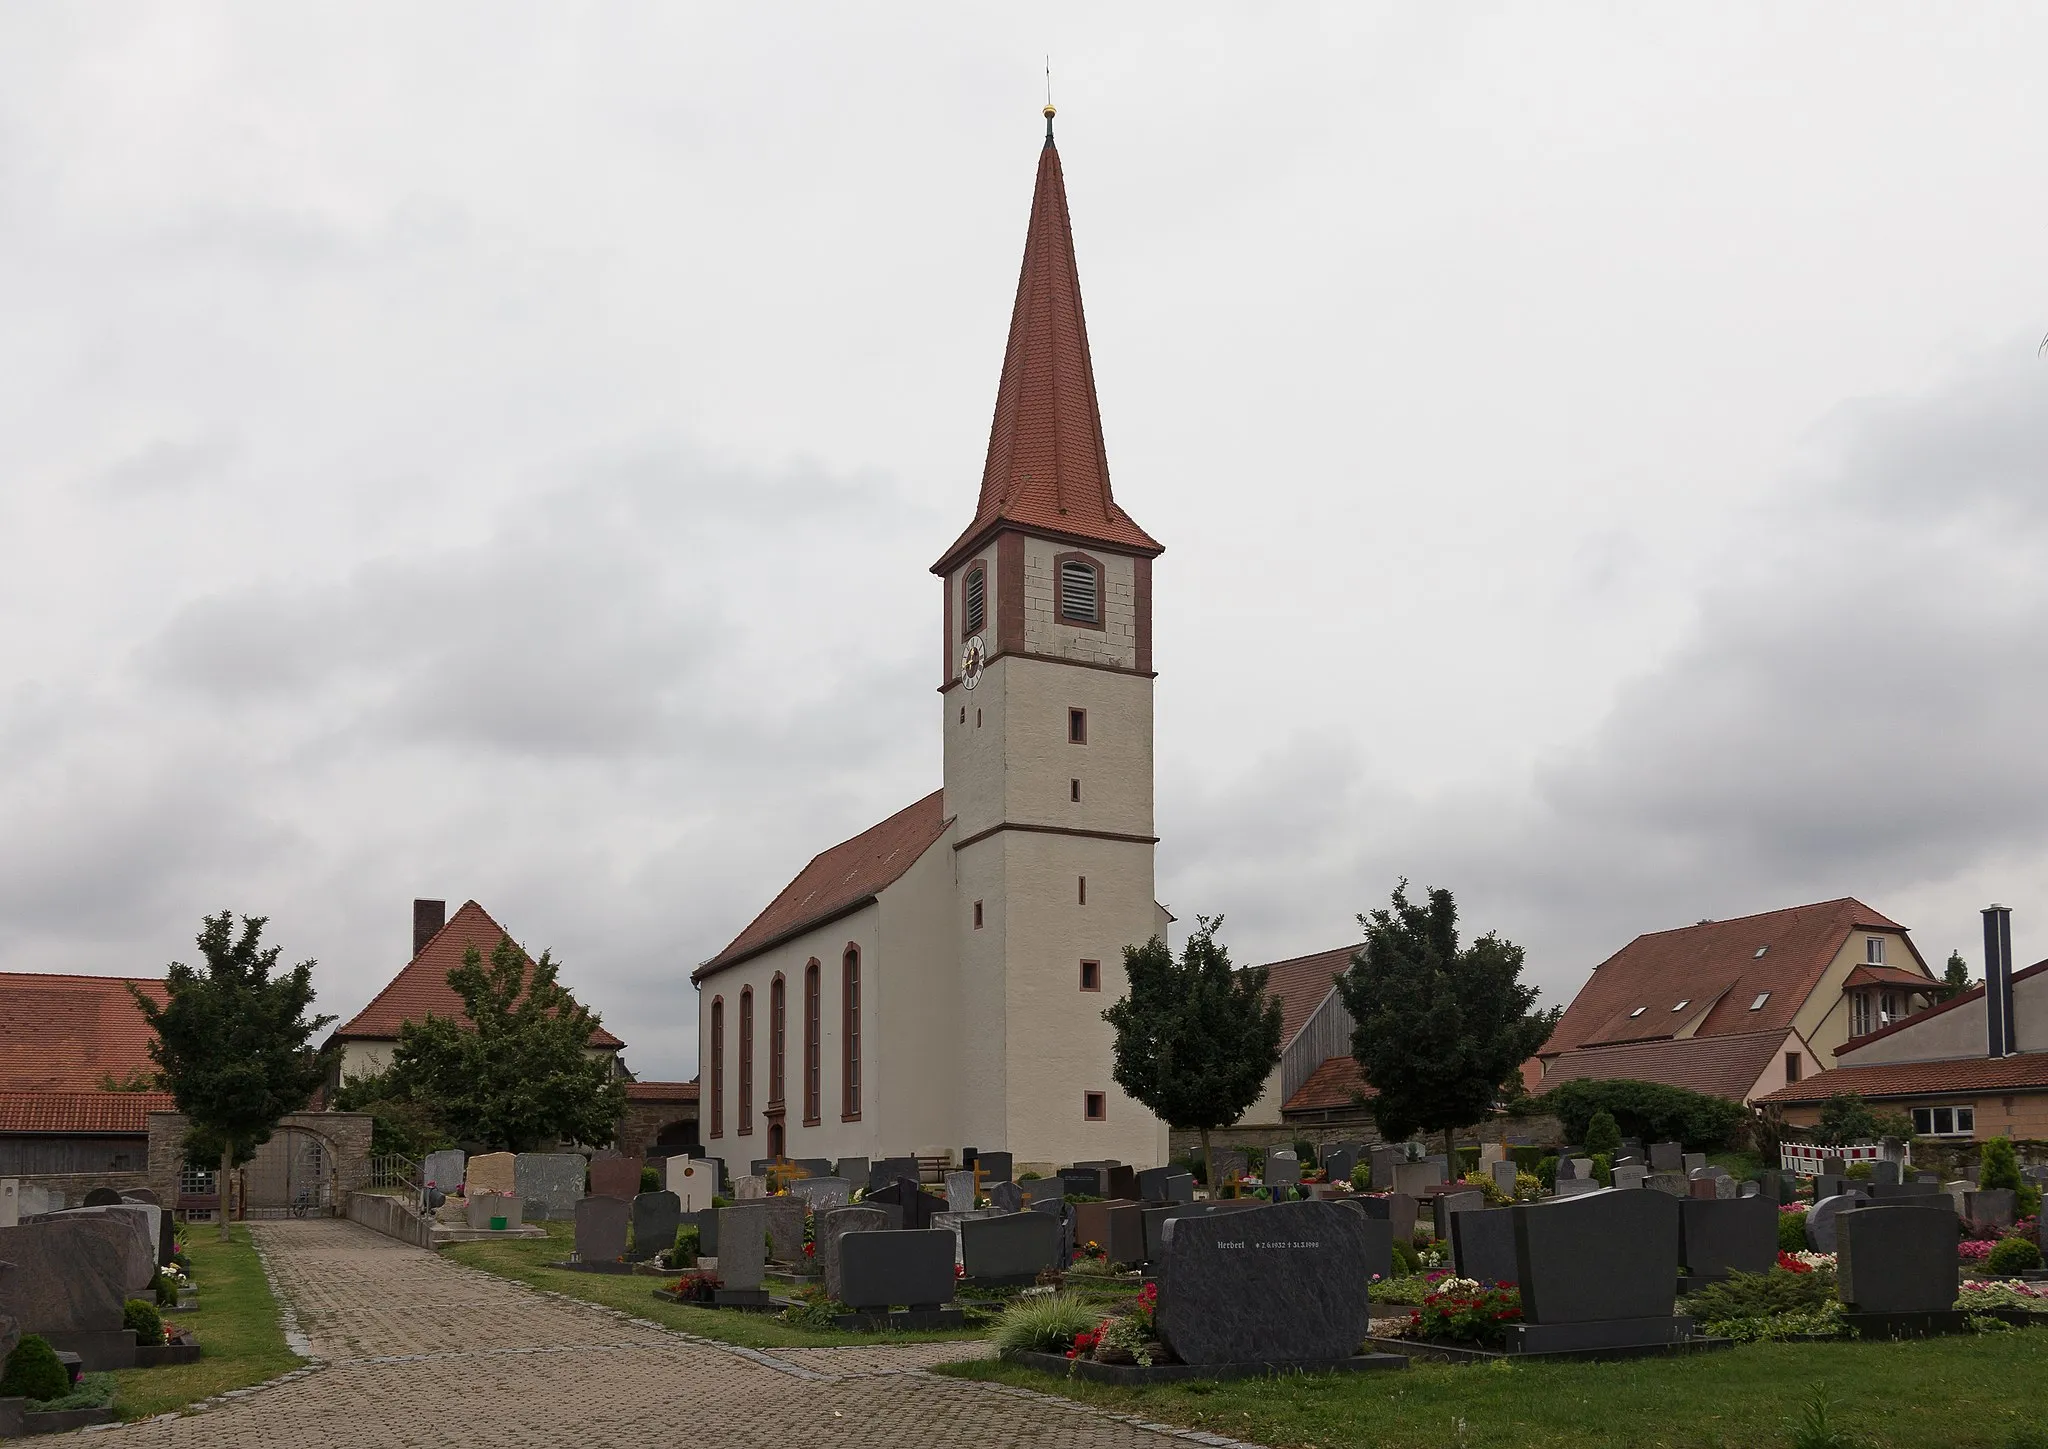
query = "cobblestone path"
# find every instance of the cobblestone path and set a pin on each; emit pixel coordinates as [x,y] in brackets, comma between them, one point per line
[412,1350]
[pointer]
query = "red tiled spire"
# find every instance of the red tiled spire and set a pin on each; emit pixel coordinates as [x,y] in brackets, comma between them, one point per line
[1046,467]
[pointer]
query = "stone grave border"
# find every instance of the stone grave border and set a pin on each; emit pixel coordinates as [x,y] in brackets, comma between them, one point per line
[1425,1352]
[1133,1375]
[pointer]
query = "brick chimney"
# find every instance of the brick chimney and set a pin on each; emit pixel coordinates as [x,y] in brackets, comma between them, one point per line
[427,918]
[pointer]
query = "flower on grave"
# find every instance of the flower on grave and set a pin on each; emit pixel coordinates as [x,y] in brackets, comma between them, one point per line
[810,1250]
[1976,1250]
[959,1270]
[1815,1260]
[1792,1265]
[1146,1309]
[1793,1207]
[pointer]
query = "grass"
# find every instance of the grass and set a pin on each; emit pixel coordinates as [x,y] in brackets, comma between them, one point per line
[1967,1392]
[525,1260]
[236,1324]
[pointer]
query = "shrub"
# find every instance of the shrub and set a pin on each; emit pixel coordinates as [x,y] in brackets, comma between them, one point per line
[1305,1152]
[1603,1135]
[1546,1172]
[1468,1160]
[1361,1177]
[1762,1295]
[688,1244]
[1483,1181]
[143,1318]
[2013,1257]
[164,1290]
[1649,1110]
[650,1179]
[1461,1311]
[33,1371]
[1857,1172]
[1528,1187]
[1603,1169]
[1406,1262]
[1047,1323]
[1999,1166]
[1526,1158]
[1791,1232]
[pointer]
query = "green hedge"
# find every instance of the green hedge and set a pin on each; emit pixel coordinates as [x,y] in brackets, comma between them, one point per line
[1649,1110]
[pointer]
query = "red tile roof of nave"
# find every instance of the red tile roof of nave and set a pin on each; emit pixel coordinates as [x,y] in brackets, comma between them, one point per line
[1300,984]
[64,1033]
[1336,1084]
[2023,1072]
[841,879]
[1715,959]
[422,990]
[1047,469]
[85,1113]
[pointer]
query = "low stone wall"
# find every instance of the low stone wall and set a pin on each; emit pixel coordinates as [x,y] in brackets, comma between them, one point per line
[389,1216]
[1530,1130]
[75,1185]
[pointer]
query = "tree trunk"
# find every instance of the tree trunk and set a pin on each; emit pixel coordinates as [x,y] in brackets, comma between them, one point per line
[227,1167]
[1451,1173]
[1208,1164]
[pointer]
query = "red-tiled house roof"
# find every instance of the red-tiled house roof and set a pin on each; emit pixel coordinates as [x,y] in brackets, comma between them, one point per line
[81,1114]
[1333,1086]
[1302,983]
[1710,974]
[422,990]
[661,1091]
[2026,1071]
[839,881]
[64,1033]
[1721,1066]
[1047,470]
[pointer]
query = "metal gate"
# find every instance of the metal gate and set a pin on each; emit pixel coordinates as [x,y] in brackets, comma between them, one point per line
[290,1176]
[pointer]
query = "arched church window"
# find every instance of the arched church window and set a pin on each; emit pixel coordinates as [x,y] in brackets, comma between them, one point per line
[747,1061]
[812,1022]
[975,611]
[718,1066]
[1080,589]
[777,1004]
[849,1085]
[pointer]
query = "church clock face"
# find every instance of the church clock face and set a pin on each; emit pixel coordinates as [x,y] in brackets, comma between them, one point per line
[971,661]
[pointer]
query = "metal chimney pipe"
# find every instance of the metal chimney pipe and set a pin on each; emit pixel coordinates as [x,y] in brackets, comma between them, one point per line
[1998,1026]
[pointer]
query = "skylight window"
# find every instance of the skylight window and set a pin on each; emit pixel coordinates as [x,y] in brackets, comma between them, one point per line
[1760,953]
[1683,1004]
[1761,998]
[1637,1012]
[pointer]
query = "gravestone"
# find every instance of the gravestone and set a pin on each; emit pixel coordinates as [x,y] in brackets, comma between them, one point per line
[1702,1188]
[132,1236]
[1834,1166]
[657,1218]
[1449,1204]
[492,1172]
[785,1217]
[1283,1168]
[1010,1248]
[836,1224]
[67,1286]
[444,1169]
[1884,1171]
[1401,1213]
[889,1170]
[1008,1197]
[813,1166]
[916,1206]
[1577,1186]
[483,1208]
[854,1170]
[1152,1184]
[1582,1168]
[1667,1157]
[913,1267]
[1993,1207]
[1283,1283]
[706,1223]
[1414,1178]
[749,1188]
[1921,1192]
[1970,1175]
[1120,1182]
[1116,1227]
[951,1222]
[742,1251]
[1039,1191]
[10,1202]
[960,1192]
[1491,1152]
[37,1200]
[1384,1160]
[1691,1160]
[761,1166]
[1084,1181]
[1483,1245]
[1567,1169]
[102,1197]
[1728,1235]
[995,1167]
[1338,1162]
[551,1183]
[1597,1272]
[1821,1220]
[1900,1258]
[601,1224]
[1504,1174]
[617,1177]
[821,1193]
[694,1181]
[1230,1162]
[1631,1177]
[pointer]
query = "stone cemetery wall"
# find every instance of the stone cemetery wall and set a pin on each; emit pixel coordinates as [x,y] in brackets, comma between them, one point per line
[389,1216]
[344,1135]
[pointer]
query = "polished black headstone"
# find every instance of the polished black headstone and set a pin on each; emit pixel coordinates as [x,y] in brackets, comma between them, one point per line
[995,1166]
[1011,1248]
[1898,1258]
[1287,1282]
[656,1217]
[1597,1256]
[917,1206]
[1121,1182]
[886,1172]
[1724,1235]
[1483,1245]
[914,1268]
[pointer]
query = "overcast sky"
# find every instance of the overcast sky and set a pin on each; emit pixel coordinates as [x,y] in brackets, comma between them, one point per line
[496,453]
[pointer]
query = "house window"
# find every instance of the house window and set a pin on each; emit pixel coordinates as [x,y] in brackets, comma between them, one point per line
[1891,1006]
[813,1050]
[1077,726]
[1074,791]
[718,1066]
[1862,1019]
[963,714]
[1094,1106]
[778,1001]
[1080,590]
[747,1062]
[1761,998]
[849,987]
[1091,975]
[1084,889]
[977,915]
[1791,1066]
[1873,950]
[1944,1121]
[976,612]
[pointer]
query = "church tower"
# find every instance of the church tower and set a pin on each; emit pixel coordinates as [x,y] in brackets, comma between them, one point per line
[1047,699]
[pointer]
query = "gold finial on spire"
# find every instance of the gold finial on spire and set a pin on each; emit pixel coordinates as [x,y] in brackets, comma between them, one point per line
[1048,100]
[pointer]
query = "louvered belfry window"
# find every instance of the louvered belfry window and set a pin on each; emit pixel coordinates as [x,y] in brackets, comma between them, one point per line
[1079,593]
[977,600]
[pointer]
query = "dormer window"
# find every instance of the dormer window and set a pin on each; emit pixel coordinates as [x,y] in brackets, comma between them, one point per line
[1080,580]
[975,603]
[1873,950]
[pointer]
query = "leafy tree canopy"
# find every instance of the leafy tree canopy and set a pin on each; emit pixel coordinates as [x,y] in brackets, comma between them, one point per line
[521,1075]
[1848,1118]
[1603,1135]
[1440,1030]
[1955,979]
[1649,1110]
[1195,1039]
[397,1123]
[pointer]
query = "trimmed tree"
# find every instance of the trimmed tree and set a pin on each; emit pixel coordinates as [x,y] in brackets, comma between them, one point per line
[1955,978]
[1440,1030]
[234,1043]
[1195,1039]
[1603,1135]
[521,1074]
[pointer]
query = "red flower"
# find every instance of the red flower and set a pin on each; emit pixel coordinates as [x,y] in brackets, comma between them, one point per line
[1792,1265]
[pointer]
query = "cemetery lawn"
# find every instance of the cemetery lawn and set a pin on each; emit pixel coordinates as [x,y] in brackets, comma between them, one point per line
[236,1323]
[1973,1391]
[526,1261]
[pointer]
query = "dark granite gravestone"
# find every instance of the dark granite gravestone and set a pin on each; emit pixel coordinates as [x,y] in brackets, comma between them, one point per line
[833,1226]
[1727,1235]
[1597,1271]
[1121,1182]
[1338,1162]
[1283,1168]
[1830,1184]
[785,1228]
[1283,1283]
[1833,1166]
[995,1167]
[1084,1181]
[878,1270]
[1039,1191]
[1920,1192]
[1567,1169]
[1384,1160]
[1230,1162]
[813,1166]
[1116,1227]
[706,1222]
[1667,1156]
[1483,1245]
[1577,1186]
[1690,1162]
[1152,1184]
[1449,1204]
[1007,1197]
[1379,1209]
[134,1233]
[1822,1216]
[601,1224]
[1631,1177]
[889,1170]
[657,1217]
[760,1166]
[1993,1207]
[742,1254]
[617,1177]
[68,1286]
[1401,1213]
[820,1193]
[854,1170]
[1899,1258]
[1012,1248]
[1885,1171]
[101,1197]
